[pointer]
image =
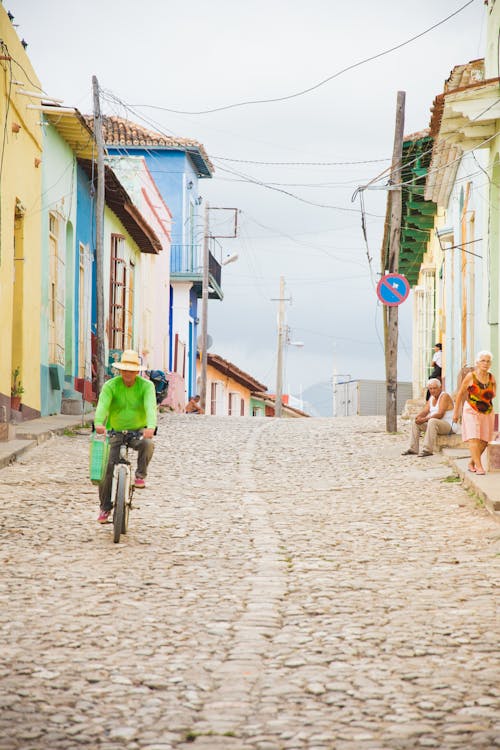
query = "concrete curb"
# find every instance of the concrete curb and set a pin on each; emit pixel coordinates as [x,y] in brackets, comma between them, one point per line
[486,487]
[32,433]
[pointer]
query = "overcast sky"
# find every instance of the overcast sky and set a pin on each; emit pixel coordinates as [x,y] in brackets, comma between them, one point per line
[194,56]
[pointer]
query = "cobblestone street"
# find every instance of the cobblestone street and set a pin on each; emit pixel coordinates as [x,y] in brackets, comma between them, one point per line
[284,585]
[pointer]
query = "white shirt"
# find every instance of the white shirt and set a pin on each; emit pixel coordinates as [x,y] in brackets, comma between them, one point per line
[433,410]
[438,358]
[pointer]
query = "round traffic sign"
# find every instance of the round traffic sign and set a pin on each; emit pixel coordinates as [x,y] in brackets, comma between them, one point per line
[393,289]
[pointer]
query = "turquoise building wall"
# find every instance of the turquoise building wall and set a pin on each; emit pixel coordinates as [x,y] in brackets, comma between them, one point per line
[58,197]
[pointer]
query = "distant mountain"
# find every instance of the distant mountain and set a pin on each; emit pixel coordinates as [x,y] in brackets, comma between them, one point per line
[318,400]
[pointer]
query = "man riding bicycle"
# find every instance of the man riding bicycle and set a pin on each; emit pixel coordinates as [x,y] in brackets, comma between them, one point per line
[127,402]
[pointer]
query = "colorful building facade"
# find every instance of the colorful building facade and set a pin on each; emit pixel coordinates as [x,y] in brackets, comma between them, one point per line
[20,229]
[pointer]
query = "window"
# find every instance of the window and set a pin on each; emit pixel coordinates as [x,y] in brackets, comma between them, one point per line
[233,404]
[213,398]
[242,407]
[118,294]
[129,308]
[57,273]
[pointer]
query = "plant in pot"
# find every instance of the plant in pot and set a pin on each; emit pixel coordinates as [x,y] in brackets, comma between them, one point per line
[16,390]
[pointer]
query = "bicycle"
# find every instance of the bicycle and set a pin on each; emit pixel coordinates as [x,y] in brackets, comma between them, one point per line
[122,488]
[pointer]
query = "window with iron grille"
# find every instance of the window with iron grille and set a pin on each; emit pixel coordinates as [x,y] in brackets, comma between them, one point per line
[129,309]
[118,293]
[213,398]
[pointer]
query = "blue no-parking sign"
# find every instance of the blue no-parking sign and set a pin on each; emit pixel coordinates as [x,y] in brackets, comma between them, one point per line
[393,289]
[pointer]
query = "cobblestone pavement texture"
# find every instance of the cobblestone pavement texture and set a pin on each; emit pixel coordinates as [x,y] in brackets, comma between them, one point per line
[284,585]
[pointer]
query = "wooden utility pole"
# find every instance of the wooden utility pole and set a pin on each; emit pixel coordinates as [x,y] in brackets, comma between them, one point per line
[278,406]
[99,240]
[204,313]
[391,312]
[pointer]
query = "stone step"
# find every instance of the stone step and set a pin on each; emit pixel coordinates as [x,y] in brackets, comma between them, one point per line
[450,441]
[412,407]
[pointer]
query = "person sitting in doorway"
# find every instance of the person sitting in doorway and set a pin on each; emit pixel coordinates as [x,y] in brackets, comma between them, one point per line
[193,406]
[437,361]
[434,419]
[436,365]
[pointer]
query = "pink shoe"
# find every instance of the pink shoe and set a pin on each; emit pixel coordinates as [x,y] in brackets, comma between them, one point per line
[139,483]
[103,516]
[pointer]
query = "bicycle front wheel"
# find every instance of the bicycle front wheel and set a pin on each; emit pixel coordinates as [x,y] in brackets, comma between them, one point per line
[126,512]
[120,500]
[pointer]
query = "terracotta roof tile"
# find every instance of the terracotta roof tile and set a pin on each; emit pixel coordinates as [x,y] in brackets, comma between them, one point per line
[227,368]
[120,132]
[461,77]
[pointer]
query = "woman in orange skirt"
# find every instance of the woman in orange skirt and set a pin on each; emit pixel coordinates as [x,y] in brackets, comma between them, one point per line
[476,394]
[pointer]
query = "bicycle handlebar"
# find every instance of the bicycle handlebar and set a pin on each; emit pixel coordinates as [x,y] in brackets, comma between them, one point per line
[126,433]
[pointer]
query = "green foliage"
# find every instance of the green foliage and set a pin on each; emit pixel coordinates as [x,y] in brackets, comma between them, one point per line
[16,389]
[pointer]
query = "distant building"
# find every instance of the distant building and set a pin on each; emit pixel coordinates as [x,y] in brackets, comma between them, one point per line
[264,405]
[366,397]
[229,389]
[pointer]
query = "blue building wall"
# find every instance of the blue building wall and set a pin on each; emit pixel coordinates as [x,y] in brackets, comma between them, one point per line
[193,345]
[172,172]
[85,234]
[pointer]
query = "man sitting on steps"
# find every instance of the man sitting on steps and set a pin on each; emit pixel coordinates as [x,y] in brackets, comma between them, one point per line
[435,419]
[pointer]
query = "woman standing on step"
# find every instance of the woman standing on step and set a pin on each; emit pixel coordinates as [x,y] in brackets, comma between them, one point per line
[476,394]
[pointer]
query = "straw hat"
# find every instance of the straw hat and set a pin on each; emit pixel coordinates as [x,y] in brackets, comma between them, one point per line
[129,361]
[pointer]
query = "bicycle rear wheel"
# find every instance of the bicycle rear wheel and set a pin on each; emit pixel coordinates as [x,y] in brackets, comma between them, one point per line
[120,501]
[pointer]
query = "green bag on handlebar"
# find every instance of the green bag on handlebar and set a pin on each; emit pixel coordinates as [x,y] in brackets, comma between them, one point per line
[99,455]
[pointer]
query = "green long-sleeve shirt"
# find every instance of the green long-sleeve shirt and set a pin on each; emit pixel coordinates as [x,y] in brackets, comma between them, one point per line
[122,408]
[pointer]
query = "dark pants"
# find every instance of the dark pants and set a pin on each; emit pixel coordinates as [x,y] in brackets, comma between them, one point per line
[144,450]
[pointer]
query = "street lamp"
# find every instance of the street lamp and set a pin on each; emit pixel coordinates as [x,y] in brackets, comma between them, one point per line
[230,258]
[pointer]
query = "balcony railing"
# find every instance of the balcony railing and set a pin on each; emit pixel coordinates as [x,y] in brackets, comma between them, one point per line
[187,261]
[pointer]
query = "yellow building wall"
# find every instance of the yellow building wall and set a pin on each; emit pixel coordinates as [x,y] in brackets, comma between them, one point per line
[229,386]
[20,223]
[429,312]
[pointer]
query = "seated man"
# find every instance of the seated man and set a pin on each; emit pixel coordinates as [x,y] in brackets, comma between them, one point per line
[193,406]
[435,419]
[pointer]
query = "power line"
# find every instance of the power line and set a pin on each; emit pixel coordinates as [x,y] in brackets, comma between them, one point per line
[317,85]
[255,181]
[300,163]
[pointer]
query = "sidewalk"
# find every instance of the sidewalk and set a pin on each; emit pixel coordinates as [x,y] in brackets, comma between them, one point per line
[486,487]
[36,431]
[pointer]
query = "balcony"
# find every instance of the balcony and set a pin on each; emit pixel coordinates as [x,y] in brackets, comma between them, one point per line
[186,264]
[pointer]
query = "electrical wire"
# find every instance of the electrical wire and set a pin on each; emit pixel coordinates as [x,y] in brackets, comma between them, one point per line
[300,163]
[260,183]
[35,85]
[317,85]
[435,146]
[128,108]
[294,240]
